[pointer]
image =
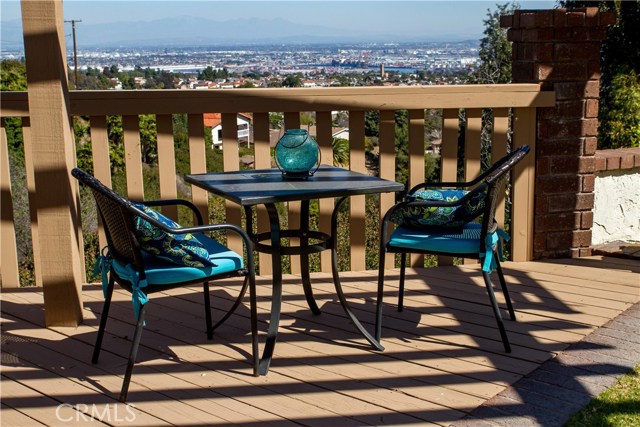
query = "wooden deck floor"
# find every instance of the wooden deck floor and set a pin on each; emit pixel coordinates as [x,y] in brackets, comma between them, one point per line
[443,355]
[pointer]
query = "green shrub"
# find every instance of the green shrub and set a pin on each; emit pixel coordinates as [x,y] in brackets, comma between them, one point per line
[620,119]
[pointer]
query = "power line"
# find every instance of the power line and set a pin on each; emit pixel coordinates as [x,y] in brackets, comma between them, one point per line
[75,52]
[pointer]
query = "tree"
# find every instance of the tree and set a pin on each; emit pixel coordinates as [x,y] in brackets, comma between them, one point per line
[276,120]
[620,124]
[13,76]
[620,74]
[495,49]
[210,73]
[402,145]
[340,151]
[274,82]
[495,68]
[207,74]
[148,138]
[372,123]
[292,80]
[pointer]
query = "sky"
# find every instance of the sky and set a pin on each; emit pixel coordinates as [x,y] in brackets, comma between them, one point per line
[368,17]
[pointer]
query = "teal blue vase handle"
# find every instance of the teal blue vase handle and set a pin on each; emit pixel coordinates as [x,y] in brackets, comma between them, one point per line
[297,154]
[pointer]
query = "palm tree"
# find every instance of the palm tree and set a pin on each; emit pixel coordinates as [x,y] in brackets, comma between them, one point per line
[340,151]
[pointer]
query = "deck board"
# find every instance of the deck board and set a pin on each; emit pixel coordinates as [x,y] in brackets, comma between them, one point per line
[443,356]
[12,417]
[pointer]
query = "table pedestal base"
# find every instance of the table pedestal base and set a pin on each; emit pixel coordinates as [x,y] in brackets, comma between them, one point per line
[324,242]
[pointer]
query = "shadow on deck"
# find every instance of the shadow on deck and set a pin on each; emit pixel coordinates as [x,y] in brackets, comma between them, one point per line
[443,357]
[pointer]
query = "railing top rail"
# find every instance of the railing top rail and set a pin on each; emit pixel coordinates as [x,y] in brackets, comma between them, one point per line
[159,101]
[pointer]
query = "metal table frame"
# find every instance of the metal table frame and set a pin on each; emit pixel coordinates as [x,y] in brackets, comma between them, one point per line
[267,187]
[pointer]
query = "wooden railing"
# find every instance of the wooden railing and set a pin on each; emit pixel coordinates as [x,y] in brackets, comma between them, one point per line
[513,107]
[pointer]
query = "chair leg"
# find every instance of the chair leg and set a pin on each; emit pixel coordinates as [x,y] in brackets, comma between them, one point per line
[505,289]
[403,266]
[235,305]
[496,312]
[207,310]
[132,354]
[378,330]
[103,321]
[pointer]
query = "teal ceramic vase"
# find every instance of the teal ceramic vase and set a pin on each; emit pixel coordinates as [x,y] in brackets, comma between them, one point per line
[297,154]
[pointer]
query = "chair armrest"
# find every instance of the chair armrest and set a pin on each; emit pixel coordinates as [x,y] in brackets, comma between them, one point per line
[438,185]
[200,229]
[173,202]
[184,230]
[444,203]
[471,183]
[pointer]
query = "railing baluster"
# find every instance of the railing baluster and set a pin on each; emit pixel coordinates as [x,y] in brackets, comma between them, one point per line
[387,146]
[416,161]
[9,255]
[449,156]
[101,161]
[198,162]
[31,188]
[498,150]
[231,162]
[357,204]
[472,150]
[472,144]
[523,177]
[292,121]
[167,163]
[133,157]
[262,153]
[324,137]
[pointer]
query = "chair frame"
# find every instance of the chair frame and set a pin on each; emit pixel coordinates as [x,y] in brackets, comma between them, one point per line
[490,182]
[124,248]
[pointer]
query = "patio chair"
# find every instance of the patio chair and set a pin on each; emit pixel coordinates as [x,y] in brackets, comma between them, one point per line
[149,253]
[442,222]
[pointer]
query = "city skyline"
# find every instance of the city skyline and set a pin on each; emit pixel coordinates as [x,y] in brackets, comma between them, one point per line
[330,20]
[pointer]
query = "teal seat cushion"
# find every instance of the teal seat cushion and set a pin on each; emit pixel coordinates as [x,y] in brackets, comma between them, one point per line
[440,216]
[161,272]
[460,241]
[181,249]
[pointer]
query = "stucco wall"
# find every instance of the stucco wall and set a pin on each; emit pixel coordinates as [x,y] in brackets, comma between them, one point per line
[616,214]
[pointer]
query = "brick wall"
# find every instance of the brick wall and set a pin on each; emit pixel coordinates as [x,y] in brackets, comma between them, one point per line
[620,158]
[560,49]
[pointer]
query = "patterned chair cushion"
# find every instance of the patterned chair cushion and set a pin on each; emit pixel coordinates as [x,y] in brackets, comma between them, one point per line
[159,272]
[440,216]
[180,249]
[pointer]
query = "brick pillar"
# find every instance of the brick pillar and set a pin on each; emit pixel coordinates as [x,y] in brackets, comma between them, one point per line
[560,49]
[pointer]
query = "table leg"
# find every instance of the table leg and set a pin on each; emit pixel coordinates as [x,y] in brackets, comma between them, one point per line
[304,258]
[336,279]
[276,292]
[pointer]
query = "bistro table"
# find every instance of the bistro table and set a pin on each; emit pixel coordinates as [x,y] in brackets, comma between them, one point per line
[266,187]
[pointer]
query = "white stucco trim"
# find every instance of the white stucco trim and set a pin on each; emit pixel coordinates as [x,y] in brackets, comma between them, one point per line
[616,214]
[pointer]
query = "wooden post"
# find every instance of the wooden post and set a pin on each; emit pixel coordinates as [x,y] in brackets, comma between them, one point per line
[53,158]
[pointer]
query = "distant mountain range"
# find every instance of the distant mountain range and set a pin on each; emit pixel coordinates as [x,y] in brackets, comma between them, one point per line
[195,31]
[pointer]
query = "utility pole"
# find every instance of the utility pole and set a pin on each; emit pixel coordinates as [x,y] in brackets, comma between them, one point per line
[75,51]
